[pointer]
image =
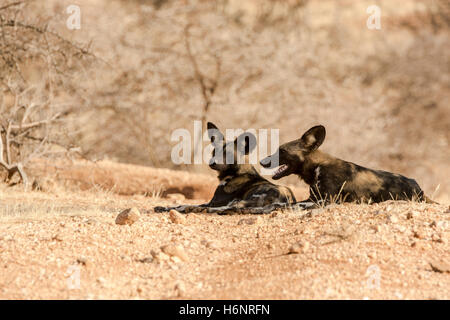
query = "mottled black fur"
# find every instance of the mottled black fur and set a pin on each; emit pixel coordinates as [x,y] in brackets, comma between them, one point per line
[335,180]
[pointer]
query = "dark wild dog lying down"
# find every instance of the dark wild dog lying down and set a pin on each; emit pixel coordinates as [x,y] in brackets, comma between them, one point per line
[241,188]
[335,180]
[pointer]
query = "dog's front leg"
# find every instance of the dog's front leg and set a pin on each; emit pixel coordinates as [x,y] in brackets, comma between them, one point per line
[183,208]
[308,204]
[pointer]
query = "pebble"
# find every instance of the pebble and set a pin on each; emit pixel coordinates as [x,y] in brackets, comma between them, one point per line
[372,255]
[83,261]
[175,251]
[210,244]
[159,256]
[440,266]
[419,234]
[299,247]
[438,224]
[392,219]
[411,214]
[146,260]
[102,282]
[436,237]
[180,289]
[176,217]
[128,216]
[249,221]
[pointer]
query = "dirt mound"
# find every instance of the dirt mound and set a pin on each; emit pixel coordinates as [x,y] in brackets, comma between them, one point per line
[128,179]
[123,179]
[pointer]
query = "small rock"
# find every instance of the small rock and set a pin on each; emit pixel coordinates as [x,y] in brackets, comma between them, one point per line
[249,221]
[392,219]
[372,255]
[83,261]
[90,221]
[102,282]
[299,247]
[159,256]
[436,237]
[128,216]
[176,217]
[57,237]
[175,251]
[440,266]
[419,234]
[411,214]
[146,260]
[438,224]
[180,289]
[210,244]
[442,225]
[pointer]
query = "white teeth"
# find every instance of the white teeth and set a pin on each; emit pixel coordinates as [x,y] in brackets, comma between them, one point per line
[281,169]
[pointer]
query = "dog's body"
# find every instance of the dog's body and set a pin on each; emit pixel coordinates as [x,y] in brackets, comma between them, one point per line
[335,180]
[241,188]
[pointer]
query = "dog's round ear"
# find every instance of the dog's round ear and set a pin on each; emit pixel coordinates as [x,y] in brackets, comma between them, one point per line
[211,125]
[245,143]
[214,133]
[313,138]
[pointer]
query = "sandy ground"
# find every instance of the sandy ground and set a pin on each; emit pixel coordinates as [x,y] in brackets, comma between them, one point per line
[66,245]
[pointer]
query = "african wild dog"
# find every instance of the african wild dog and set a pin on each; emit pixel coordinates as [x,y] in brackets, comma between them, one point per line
[331,179]
[241,188]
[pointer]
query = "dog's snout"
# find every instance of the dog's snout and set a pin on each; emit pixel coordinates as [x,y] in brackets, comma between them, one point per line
[265,162]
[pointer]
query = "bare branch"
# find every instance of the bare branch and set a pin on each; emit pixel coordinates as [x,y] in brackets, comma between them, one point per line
[36,123]
[12,4]
[12,169]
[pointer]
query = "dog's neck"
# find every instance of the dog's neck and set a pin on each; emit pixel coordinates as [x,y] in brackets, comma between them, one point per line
[310,167]
[243,170]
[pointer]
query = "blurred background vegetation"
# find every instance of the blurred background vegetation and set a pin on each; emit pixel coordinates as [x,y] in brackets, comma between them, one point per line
[137,70]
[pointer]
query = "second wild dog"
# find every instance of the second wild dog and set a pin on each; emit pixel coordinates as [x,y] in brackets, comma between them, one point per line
[241,188]
[335,180]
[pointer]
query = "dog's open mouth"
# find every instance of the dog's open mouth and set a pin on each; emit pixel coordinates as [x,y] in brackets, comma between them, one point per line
[281,172]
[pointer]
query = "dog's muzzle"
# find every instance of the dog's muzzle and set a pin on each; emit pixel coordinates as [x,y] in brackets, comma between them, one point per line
[266,162]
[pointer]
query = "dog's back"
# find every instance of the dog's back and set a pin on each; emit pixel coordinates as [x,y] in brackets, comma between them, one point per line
[346,181]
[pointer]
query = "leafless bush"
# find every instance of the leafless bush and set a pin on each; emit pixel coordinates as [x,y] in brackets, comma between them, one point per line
[35,63]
